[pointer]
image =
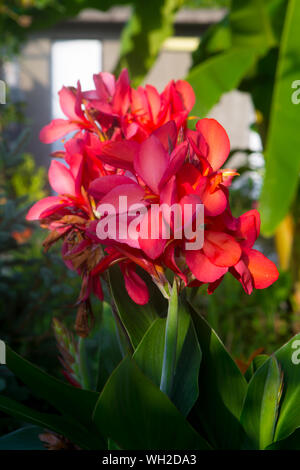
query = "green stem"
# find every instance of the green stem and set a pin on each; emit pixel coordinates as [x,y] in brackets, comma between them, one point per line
[169,360]
[84,375]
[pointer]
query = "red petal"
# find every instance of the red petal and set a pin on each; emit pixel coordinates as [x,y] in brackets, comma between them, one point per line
[133,192]
[57,129]
[221,248]
[263,270]
[177,159]
[154,245]
[167,134]
[39,207]
[119,154]
[217,140]
[249,228]
[202,268]
[187,94]
[61,179]
[135,286]
[151,162]
[104,184]
[215,203]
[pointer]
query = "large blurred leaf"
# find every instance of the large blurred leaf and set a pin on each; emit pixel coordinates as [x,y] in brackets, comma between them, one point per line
[136,319]
[261,404]
[222,389]
[289,415]
[230,50]
[26,438]
[282,156]
[150,24]
[149,357]
[135,414]
[218,75]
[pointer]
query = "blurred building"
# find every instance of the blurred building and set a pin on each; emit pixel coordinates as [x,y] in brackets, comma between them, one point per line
[90,43]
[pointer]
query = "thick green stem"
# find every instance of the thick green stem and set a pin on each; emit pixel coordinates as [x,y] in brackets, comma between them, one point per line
[169,360]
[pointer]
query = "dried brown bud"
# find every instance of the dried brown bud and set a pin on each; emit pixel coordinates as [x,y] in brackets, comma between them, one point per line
[84,319]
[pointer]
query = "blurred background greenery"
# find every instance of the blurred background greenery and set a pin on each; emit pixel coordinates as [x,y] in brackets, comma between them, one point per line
[254,48]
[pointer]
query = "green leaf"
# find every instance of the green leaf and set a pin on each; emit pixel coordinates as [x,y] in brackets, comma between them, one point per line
[26,438]
[251,24]
[142,38]
[109,353]
[149,357]
[218,75]
[222,389]
[230,50]
[136,319]
[261,404]
[283,140]
[67,427]
[135,414]
[290,443]
[255,364]
[289,416]
[62,396]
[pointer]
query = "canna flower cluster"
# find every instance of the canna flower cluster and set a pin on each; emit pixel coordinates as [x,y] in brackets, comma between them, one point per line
[136,144]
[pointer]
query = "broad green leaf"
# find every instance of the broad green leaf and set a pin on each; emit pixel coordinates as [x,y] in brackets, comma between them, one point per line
[149,357]
[255,364]
[218,75]
[64,426]
[142,38]
[109,353]
[290,443]
[62,396]
[26,438]
[136,319]
[261,404]
[283,140]
[135,414]
[251,24]
[230,50]
[222,389]
[288,358]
